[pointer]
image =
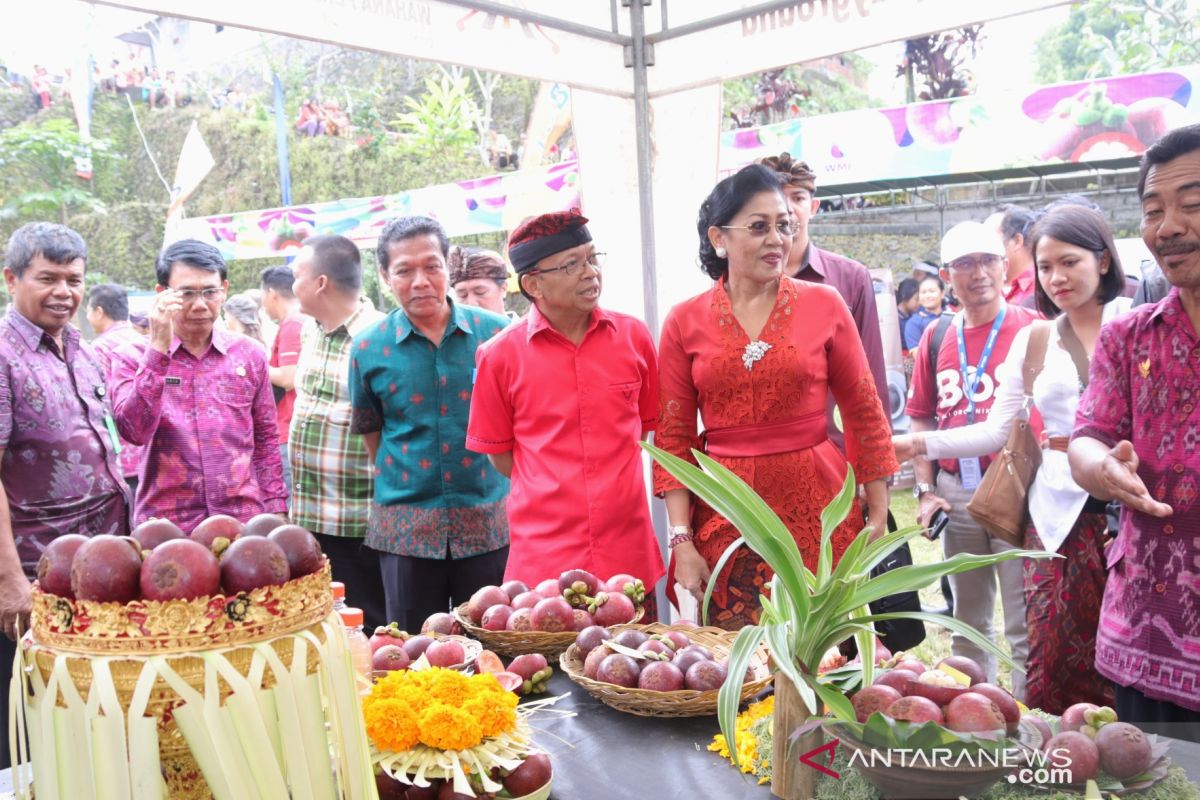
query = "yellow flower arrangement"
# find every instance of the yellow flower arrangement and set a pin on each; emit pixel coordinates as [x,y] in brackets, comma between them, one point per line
[437,707]
[752,735]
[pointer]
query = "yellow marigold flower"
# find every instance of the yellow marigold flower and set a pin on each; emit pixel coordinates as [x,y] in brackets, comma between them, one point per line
[448,728]
[390,724]
[449,686]
[494,715]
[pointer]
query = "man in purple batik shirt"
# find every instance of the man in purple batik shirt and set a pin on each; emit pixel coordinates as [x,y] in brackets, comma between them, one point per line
[1137,431]
[199,397]
[58,464]
[108,314]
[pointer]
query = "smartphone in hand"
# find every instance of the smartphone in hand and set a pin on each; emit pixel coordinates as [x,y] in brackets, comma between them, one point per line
[937,524]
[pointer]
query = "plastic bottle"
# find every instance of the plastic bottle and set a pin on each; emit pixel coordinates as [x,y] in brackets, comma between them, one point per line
[360,647]
[339,595]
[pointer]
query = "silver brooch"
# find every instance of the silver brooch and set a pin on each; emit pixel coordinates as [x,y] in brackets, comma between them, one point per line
[754,352]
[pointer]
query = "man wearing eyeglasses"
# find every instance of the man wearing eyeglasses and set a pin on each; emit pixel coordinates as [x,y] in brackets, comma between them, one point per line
[561,400]
[959,393]
[199,397]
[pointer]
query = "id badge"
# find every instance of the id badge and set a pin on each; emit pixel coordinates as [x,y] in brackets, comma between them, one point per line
[969,472]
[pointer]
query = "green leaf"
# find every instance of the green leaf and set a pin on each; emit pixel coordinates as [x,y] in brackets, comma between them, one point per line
[777,643]
[712,578]
[834,700]
[831,517]
[729,697]
[917,576]
[866,645]
[957,626]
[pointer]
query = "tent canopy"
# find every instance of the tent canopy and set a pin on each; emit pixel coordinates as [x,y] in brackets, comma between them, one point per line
[646,87]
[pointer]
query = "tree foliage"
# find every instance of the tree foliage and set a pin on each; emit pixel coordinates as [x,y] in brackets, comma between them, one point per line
[1115,37]
[801,90]
[935,67]
[122,210]
[37,170]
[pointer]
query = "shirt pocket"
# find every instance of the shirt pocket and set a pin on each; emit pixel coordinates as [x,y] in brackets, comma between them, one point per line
[628,392]
[236,392]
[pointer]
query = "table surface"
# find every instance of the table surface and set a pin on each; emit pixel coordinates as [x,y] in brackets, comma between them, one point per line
[599,747]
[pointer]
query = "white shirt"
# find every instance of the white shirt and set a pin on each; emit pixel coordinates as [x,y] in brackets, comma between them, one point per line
[1055,500]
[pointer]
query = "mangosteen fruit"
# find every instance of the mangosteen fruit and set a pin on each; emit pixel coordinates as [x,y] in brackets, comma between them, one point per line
[179,569]
[54,566]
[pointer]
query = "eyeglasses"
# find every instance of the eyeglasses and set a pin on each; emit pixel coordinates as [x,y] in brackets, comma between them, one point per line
[970,263]
[209,295]
[575,266]
[760,228]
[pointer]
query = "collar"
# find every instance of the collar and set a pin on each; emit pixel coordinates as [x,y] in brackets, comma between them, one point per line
[32,335]
[811,259]
[1023,283]
[458,319]
[1169,306]
[222,340]
[348,324]
[537,322]
[116,327]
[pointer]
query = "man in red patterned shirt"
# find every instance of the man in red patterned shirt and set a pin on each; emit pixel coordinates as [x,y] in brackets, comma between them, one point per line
[1135,440]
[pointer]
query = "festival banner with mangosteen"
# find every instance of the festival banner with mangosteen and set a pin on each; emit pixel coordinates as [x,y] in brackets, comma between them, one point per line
[481,205]
[1086,121]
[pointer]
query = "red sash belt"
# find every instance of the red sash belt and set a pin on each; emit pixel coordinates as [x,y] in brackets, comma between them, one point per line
[766,438]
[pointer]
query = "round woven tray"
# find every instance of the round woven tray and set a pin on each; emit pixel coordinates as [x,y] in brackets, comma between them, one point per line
[683,703]
[149,627]
[518,643]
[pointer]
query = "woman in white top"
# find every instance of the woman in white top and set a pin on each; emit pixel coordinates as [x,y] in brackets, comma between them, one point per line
[1078,288]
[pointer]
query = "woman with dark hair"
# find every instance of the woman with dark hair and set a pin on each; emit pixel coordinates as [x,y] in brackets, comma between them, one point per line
[1078,290]
[931,299]
[756,356]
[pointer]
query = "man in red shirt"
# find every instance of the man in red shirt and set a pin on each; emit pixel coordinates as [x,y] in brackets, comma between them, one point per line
[561,400]
[961,392]
[1013,223]
[281,305]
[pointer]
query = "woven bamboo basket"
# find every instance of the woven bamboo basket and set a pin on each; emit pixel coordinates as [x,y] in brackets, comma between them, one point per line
[682,703]
[518,643]
[152,655]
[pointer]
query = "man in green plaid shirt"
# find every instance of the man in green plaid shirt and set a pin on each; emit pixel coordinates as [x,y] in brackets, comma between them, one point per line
[332,476]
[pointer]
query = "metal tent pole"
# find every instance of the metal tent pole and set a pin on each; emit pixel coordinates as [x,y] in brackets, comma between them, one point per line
[636,57]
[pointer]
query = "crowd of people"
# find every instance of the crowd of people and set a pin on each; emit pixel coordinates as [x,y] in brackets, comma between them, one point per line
[448,445]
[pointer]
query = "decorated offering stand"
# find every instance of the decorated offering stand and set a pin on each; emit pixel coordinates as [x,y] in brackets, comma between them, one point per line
[202,692]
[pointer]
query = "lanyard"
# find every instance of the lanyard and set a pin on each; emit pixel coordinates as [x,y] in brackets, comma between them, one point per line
[971,380]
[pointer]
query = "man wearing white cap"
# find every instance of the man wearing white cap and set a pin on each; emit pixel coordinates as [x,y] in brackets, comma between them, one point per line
[959,392]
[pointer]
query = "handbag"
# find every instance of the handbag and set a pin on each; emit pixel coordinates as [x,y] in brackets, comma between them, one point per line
[896,634]
[1001,501]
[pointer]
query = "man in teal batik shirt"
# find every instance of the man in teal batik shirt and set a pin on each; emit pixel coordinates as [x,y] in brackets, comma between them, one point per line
[438,516]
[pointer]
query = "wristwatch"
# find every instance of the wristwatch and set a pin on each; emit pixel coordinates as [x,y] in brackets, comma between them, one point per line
[921,488]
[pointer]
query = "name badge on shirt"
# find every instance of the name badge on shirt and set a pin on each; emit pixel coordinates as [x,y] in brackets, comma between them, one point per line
[174,382]
[969,472]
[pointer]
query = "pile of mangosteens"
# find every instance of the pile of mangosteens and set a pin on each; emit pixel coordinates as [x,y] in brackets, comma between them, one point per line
[439,641]
[1089,738]
[909,691]
[526,778]
[660,662]
[157,561]
[575,600]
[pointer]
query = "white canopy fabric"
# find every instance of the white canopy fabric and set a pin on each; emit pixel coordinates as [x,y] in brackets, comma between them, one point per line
[646,79]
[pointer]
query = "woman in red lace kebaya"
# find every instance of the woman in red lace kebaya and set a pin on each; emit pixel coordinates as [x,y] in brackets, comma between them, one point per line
[756,356]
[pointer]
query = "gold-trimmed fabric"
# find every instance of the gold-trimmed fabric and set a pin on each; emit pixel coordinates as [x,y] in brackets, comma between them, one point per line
[181,626]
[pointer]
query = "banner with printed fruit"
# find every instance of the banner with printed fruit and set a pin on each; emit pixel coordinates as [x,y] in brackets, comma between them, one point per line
[1081,122]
